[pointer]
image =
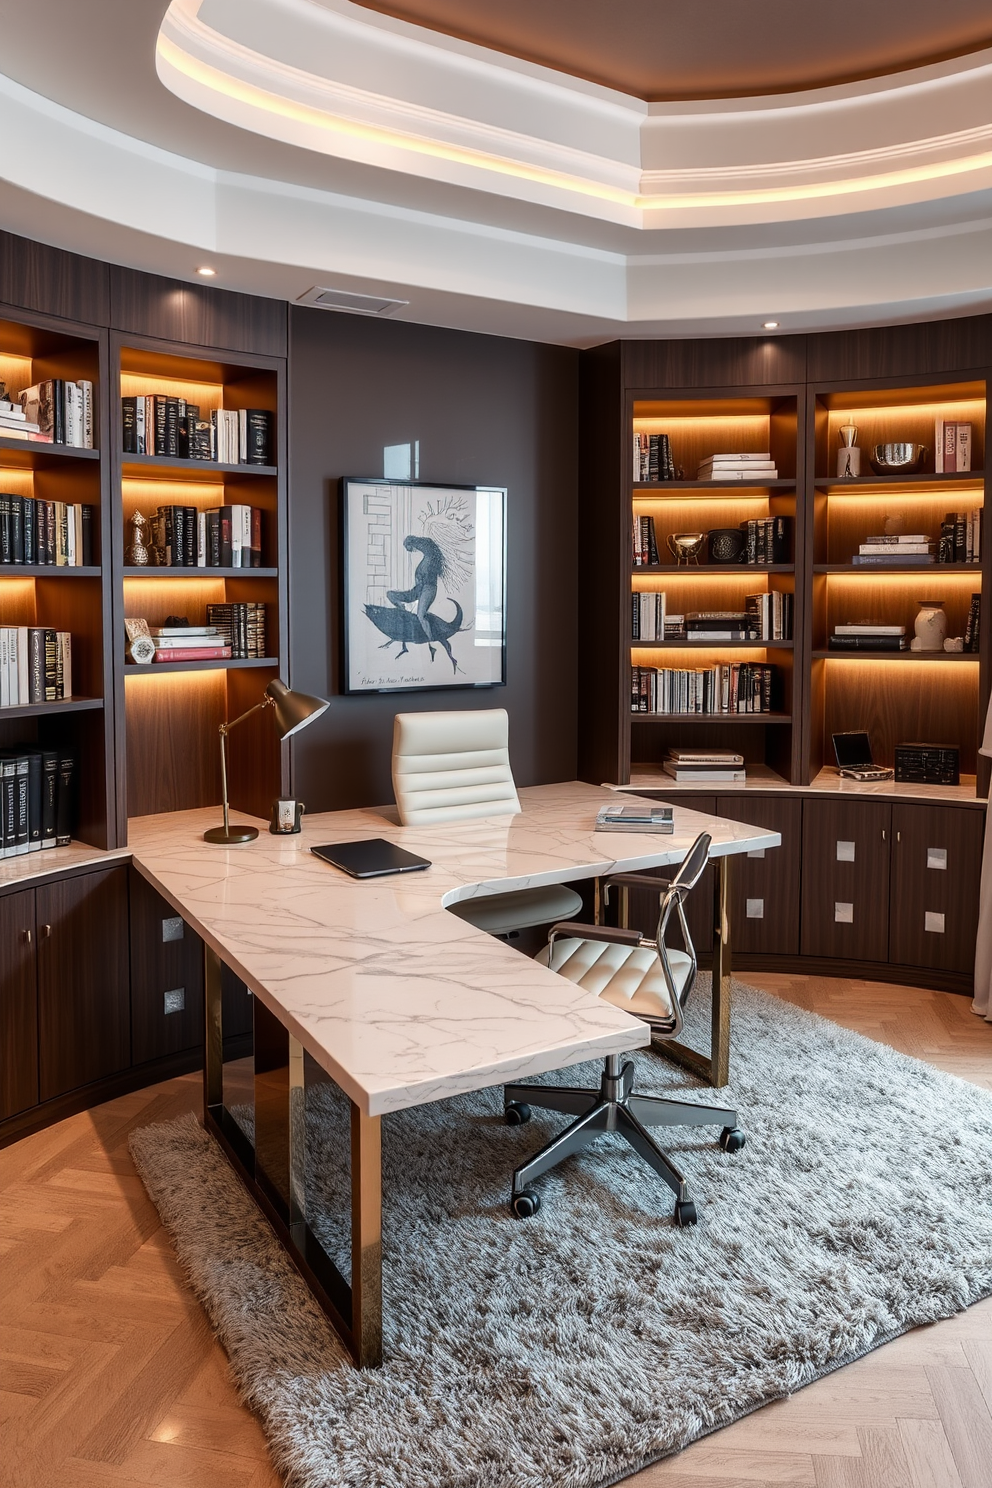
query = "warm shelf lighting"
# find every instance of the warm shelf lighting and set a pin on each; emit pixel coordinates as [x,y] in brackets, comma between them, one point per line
[769,325]
[205,272]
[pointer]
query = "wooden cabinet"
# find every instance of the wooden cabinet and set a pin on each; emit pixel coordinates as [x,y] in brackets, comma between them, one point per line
[18,1004]
[845,879]
[936,867]
[84,1028]
[764,885]
[166,977]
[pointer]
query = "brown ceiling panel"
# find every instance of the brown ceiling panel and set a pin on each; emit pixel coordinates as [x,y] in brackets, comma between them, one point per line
[671,49]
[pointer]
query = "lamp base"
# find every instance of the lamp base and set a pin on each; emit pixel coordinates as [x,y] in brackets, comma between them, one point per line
[232,837]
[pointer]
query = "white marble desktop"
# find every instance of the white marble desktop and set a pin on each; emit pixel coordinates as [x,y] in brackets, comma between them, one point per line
[399,1001]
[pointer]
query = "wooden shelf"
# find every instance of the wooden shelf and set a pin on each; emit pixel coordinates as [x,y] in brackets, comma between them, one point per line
[713,569]
[681,645]
[180,572]
[972,570]
[141,466]
[885,482]
[701,487]
[40,710]
[939,656]
[715,718]
[231,664]
[46,571]
[29,455]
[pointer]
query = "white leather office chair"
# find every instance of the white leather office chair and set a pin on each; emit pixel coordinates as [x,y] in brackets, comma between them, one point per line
[456,767]
[652,980]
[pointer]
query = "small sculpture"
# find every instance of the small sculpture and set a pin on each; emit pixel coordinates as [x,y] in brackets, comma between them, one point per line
[848,456]
[137,550]
[686,546]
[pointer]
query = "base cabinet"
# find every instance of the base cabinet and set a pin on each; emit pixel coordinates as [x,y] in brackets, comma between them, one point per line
[166,977]
[936,868]
[84,1018]
[764,885]
[845,879]
[18,1004]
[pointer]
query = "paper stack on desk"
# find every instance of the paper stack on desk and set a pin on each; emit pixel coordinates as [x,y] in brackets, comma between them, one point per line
[646,816]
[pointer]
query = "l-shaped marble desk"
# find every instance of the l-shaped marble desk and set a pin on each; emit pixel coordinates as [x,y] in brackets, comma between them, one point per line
[398,1001]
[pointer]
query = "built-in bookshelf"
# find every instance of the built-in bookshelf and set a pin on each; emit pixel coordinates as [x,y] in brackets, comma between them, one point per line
[172,709]
[53,597]
[696,429]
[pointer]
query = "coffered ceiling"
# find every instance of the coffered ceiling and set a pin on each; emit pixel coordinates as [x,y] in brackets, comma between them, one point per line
[288,144]
[670,49]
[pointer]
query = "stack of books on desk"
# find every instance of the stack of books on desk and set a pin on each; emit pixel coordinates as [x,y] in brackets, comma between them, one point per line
[869,635]
[645,816]
[737,467]
[914,550]
[718,766]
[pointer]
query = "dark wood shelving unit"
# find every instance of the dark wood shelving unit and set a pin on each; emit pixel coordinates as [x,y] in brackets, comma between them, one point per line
[724,719]
[170,711]
[44,710]
[679,645]
[940,657]
[888,482]
[48,571]
[936,569]
[30,454]
[712,570]
[709,487]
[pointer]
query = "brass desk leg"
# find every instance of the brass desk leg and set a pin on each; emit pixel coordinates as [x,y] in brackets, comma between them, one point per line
[715,1068]
[366,1239]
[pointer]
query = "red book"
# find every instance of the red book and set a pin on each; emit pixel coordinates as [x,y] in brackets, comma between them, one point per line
[195,653]
[256,537]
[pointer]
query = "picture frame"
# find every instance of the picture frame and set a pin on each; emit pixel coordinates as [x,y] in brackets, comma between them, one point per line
[424,585]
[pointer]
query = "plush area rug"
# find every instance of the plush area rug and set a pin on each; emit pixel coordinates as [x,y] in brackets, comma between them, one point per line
[568,1350]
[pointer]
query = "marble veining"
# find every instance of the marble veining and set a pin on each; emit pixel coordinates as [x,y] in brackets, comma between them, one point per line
[401,1002]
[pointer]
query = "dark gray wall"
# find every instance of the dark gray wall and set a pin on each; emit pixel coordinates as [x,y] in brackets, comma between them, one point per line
[486,411]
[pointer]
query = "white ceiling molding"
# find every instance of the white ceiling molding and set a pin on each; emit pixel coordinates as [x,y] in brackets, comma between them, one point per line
[684,165]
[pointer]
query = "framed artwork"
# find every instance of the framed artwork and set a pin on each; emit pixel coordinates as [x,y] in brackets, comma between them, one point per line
[424,585]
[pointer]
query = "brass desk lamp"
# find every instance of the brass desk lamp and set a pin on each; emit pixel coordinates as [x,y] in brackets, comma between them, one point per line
[291,711]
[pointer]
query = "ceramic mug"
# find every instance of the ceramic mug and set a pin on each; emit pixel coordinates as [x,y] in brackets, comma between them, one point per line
[287,817]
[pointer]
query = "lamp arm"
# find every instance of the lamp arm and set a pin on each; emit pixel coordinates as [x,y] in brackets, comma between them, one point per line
[225,728]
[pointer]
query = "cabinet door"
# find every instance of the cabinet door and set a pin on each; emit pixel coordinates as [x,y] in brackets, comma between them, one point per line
[83,1013]
[764,885]
[18,1005]
[845,879]
[699,910]
[936,866]
[166,977]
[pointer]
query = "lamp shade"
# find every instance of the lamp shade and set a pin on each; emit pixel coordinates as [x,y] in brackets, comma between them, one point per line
[293,710]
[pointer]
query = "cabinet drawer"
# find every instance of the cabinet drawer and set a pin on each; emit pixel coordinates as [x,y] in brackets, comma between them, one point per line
[936,868]
[845,879]
[764,893]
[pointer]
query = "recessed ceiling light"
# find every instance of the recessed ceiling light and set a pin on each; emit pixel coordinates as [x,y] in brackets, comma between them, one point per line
[768,325]
[207,273]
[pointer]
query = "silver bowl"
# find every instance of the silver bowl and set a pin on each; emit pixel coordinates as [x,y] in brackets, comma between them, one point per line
[897,459]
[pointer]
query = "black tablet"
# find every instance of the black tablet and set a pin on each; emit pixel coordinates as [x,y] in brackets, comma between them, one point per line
[372,858]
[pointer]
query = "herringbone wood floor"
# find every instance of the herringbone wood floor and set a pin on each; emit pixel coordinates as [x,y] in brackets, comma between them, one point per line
[111,1378]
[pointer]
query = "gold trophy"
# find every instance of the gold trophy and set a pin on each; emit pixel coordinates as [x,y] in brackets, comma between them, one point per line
[686,546]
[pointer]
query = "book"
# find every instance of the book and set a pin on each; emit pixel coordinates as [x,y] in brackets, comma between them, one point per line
[869,627]
[897,550]
[724,757]
[697,774]
[194,653]
[877,642]
[893,560]
[65,797]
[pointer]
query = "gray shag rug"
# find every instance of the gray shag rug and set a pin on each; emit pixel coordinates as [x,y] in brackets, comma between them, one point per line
[571,1349]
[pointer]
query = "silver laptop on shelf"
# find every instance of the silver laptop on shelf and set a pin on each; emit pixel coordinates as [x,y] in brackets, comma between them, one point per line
[855,760]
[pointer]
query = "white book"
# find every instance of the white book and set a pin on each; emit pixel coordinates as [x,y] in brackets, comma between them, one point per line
[201,539]
[735,475]
[246,537]
[764,458]
[938,446]
[705,757]
[71,533]
[23,673]
[888,551]
[242,436]
[4,671]
[963,461]
[86,389]
[139,425]
[870,629]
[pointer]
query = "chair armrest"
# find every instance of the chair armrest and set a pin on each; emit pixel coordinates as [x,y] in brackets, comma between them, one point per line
[594,932]
[635,880]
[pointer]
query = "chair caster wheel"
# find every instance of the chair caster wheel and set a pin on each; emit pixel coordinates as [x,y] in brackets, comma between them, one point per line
[685,1213]
[732,1139]
[526,1203]
[516,1113]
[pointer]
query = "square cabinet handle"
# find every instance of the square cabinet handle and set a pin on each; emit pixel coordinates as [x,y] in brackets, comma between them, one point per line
[845,852]
[843,914]
[755,909]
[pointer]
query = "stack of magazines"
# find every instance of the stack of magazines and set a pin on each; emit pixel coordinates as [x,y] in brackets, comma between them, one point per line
[645,816]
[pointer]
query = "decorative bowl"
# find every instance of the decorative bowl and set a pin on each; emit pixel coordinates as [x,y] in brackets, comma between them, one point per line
[726,544]
[686,546]
[897,459]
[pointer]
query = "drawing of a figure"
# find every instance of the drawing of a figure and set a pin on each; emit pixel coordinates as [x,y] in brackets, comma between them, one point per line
[446,560]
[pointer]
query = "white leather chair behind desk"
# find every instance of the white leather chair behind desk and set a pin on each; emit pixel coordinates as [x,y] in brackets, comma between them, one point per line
[456,767]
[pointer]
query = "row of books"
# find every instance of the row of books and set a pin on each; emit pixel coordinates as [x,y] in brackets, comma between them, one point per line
[35,532]
[55,411]
[35,665]
[951,446]
[645,542]
[221,537]
[36,799]
[157,424]
[766,617]
[973,623]
[705,766]
[771,614]
[653,458]
[960,538]
[733,687]
[240,626]
[737,467]
[767,540]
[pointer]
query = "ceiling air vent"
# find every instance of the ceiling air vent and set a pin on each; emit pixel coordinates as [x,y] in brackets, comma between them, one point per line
[350,302]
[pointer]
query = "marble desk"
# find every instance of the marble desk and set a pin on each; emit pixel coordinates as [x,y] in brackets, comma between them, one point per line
[399,1001]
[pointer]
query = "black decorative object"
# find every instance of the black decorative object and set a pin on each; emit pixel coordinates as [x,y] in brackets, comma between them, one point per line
[726,545]
[928,764]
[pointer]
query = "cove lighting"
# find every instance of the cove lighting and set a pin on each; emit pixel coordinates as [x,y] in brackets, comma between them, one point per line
[769,325]
[206,273]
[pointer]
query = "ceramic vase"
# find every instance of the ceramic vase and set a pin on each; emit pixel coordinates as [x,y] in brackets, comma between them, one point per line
[931,625]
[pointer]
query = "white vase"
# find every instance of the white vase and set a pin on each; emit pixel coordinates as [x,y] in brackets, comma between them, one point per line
[931,625]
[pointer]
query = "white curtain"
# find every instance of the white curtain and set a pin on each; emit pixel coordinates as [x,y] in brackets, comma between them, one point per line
[982,1004]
